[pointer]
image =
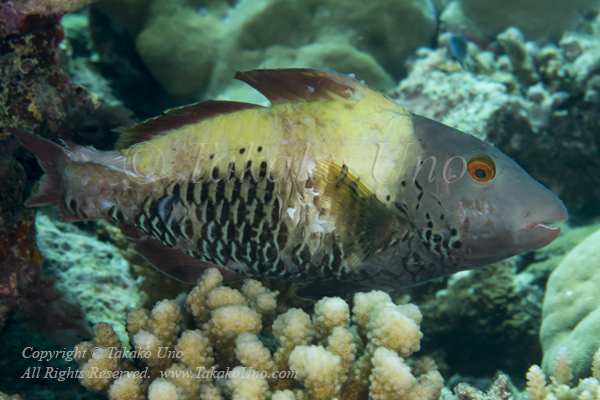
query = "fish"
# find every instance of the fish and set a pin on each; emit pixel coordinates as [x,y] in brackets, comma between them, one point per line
[459,50]
[333,185]
[458,46]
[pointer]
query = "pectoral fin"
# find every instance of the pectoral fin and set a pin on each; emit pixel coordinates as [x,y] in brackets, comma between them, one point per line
[364,223]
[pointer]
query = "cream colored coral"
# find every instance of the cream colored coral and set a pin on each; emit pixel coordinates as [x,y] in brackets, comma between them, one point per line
[226,323]
[333,358]
[319,370]
[341,343]
[105,336]
[96,372]
[224,296]
[428,385]
[229,321]
[210,392]
[596,365]
[252,353]
[247,385]
[185,378]
[330,312]
[391,329]
[291,329]
[127,387]
[283,395]
[196,350]
[83,351]
[536,383]
[150,345]
[391,377]
[365,305]
[162,389]
[561,367]
[137,319]
[196,299]
[258,297]
[164,321]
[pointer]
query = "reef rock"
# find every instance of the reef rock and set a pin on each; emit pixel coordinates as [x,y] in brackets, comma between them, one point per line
[571,310]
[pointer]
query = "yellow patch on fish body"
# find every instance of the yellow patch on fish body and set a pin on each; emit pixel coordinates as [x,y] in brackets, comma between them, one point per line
[292,138]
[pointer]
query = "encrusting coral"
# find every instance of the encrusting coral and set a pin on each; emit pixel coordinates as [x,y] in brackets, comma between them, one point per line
[217,343]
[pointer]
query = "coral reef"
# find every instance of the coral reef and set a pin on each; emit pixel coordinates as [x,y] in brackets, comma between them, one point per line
[537,104]
[194,48]
[571,311]
[182,345]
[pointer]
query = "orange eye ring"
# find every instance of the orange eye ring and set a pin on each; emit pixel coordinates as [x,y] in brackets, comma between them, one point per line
[482,168]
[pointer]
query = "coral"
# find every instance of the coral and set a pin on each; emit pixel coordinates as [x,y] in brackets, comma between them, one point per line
[194,50]
[181,346]
[92,275]
[571,310]
[500,390]
[536,104]
[4,396]
[493,310]
[560,387]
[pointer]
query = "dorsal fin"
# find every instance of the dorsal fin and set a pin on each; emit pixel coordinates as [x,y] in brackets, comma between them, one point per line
[176,118]
[294,85]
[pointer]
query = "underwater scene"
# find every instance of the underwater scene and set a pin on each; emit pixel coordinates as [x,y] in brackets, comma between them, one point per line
[300,199]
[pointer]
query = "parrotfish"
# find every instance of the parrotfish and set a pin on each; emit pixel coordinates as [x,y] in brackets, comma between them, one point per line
[334,185]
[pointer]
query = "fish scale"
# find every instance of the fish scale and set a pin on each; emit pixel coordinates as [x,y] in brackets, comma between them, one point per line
[334,185]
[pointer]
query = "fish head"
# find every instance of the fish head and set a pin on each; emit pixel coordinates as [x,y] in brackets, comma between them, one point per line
[477,205]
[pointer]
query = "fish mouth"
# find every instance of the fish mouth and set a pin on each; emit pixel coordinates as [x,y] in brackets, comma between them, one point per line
[538,234]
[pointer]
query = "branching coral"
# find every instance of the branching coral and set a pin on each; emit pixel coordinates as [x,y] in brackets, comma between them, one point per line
[215,343]
[560,387]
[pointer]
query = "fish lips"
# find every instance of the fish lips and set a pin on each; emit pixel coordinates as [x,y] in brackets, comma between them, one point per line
[537,234]
[530,237]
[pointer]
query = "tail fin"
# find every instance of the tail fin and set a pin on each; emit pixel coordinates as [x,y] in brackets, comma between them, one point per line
[53,159]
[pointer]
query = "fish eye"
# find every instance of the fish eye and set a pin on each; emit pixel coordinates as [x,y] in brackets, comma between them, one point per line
[482,168]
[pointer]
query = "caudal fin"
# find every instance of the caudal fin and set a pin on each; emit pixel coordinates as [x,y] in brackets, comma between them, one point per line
[53,159]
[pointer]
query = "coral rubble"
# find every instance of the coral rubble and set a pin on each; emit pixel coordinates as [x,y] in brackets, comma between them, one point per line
[218,342]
